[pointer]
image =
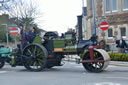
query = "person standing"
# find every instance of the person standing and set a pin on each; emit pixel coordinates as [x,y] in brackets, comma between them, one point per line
[31,34]
[27,37]
[121,44]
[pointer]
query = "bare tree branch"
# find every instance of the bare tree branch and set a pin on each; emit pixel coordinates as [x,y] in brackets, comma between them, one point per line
[21,11]
[4,4]
[4,1]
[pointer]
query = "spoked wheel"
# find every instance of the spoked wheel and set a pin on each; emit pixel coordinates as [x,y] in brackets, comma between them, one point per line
[96,66]
[36,57]
[1,64]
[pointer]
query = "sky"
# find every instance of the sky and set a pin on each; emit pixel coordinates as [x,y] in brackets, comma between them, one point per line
[58,15]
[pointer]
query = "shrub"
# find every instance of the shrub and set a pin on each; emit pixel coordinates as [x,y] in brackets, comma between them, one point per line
[118,56]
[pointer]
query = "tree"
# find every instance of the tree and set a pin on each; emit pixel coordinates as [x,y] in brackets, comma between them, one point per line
[4,4]
[22,12]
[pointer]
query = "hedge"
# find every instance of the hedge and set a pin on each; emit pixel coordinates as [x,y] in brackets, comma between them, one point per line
[118,56]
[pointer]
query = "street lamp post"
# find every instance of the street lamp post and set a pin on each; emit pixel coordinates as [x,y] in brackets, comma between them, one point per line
[83,19]
[94,17]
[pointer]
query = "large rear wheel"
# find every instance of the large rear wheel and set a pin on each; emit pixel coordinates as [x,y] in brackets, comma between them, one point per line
[96,66]
[36,57]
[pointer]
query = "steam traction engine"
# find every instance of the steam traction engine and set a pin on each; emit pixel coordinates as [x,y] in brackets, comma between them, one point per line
[52,49]
[49,51]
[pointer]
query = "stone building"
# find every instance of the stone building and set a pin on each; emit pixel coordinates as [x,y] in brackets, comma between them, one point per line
[115,12]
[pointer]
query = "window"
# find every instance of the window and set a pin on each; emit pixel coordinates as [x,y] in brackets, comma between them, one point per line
[110,33]
[111,6]
[107,5]
[125,5]
[114,5]
[123,32]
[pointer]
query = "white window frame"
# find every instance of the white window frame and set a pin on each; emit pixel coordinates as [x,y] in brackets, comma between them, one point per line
[124,9]
[116,6]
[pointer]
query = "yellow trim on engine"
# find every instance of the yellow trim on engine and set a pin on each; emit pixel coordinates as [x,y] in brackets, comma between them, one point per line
[83,53]
[58,49]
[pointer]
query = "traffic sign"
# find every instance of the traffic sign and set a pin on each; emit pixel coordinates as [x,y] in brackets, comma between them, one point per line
[14,31]
[104,25]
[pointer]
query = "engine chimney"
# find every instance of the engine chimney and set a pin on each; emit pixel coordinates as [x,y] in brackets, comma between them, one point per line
[79,28]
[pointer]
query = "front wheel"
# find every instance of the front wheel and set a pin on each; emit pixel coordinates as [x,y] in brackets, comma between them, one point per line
[96,66]
[36,57]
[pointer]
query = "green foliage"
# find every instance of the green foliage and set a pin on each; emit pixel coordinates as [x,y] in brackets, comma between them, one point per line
[118,56]
[12,38]
[3,37]
[4,23]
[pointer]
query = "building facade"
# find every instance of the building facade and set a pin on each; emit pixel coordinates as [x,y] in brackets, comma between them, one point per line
[115,12]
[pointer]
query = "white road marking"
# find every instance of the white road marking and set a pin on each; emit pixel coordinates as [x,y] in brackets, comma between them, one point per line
[107,83]
[111,66]
[2,72]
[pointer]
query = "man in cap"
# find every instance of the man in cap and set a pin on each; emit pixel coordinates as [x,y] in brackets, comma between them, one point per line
[27,37]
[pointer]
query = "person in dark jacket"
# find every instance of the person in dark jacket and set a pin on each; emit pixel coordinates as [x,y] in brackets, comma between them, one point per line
[31,34]
[121,44]
[27,37]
